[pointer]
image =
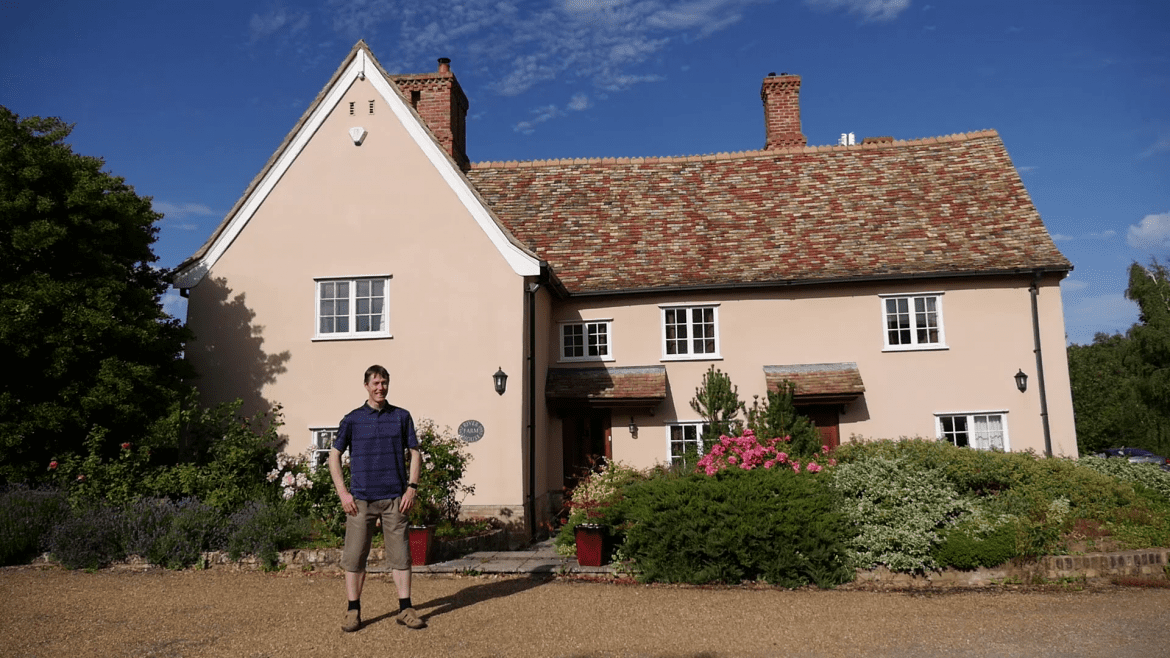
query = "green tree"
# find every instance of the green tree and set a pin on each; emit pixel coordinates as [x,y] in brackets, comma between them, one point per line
[1110,412]
[1150,288]
[717,402]
[87,349]
[778,418]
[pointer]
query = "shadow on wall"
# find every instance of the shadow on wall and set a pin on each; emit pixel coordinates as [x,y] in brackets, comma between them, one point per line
[227,350]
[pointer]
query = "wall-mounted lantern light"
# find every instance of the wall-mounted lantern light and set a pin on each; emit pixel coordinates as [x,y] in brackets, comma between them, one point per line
[501,381]
[633,428]
[1021,381]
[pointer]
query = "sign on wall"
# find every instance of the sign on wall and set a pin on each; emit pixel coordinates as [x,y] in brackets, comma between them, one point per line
[471,431]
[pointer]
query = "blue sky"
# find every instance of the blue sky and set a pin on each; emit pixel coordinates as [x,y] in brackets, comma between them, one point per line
[188,100]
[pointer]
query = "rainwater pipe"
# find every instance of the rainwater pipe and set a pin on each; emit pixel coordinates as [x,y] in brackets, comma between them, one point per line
[1035,290]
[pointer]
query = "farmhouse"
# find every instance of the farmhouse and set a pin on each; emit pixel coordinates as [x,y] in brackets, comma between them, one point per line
[555,310]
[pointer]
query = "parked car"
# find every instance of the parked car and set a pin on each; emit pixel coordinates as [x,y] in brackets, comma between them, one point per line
[1137,456]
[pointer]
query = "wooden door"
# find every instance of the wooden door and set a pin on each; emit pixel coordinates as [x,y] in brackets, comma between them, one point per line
[585,439]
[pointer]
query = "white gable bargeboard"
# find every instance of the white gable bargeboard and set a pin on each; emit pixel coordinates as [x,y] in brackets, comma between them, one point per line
[361,67]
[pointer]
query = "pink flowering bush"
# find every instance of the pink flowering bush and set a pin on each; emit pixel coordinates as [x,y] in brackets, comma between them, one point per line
[748,452]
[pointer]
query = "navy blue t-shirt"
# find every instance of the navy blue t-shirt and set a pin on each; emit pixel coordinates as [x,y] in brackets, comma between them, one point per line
[377,440]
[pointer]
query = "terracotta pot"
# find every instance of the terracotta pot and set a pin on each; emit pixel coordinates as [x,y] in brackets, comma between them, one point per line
[592,545]
[423,545]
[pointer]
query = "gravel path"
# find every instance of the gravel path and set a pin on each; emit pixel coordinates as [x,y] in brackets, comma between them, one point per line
[52,612]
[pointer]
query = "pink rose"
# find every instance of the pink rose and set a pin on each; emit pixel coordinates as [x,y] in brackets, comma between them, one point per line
[53,465]
[81,478]
[126,445]
[832,462]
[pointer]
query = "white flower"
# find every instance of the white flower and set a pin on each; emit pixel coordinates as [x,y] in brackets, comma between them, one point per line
[287,493]
[288,480]
[273,474]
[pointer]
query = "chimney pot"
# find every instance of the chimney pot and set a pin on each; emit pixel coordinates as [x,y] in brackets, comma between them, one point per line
[444,65]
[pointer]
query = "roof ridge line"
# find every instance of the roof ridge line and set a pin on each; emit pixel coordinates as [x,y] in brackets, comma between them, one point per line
[729,155]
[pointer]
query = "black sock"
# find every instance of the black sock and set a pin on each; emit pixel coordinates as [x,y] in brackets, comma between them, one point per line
[355,605]
[404,604]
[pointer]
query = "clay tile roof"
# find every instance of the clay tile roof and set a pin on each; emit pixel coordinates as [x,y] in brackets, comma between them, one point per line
[936,207]
[817,380]
[641,383]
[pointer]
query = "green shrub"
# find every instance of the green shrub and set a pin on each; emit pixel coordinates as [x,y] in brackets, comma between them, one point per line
[193,528]
[1148,475]
[772,525]
[778,418]
[967,547]
[264,529]
[593,500]
[898,507]
[26,516]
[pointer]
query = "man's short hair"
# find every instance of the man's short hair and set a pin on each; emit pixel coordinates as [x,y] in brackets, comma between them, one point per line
[376,370]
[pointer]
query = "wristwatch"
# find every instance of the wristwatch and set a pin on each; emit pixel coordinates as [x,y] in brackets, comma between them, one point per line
[413,485]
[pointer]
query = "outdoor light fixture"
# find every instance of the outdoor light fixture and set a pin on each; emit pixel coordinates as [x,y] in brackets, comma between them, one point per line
[633,428]
[1021,381]
[501,381]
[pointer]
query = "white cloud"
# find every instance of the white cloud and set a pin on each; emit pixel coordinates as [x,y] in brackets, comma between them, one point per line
[604,42]
[1097,235]
[1072,285]
[542,114]
[1152,234]
[1162,145]
[174,304]
[1026,170]
[578,102]
[1085,317]
[869,10]
[175,212]
[276,20]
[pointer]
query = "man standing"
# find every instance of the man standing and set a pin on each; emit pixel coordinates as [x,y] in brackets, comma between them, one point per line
[377,434]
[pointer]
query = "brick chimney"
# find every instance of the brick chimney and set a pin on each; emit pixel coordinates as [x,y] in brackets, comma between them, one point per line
[781,96]
[440,101]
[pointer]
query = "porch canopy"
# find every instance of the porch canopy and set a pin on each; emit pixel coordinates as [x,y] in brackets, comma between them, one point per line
[818,383]
[632,388]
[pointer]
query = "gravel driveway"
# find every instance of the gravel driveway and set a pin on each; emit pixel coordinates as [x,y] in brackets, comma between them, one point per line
[52,612]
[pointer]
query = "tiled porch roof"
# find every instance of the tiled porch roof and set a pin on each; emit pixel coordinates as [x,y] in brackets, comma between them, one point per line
[818,381]
[941,206]
[599,386]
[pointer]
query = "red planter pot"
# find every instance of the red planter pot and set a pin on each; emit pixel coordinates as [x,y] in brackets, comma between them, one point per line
[423,545]
[592,545]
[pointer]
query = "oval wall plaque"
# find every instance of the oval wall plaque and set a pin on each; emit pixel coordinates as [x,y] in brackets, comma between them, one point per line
[471,431]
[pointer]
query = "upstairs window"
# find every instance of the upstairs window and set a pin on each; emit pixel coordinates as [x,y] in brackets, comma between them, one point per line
[690,332]
[982,431]
[586,341]
[352,308]
[913,322]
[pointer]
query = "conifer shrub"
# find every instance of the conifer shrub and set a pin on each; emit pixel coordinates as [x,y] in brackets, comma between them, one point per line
[26,516]
[738,525]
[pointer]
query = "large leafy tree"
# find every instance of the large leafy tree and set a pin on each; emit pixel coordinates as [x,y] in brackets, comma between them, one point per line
[1121,383]
[90,360]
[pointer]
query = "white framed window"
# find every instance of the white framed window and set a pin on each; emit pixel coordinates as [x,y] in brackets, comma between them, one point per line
[683,439]
[352,308]
[323,438]
[591,340]
[982,430]
[690,332]
[913,322]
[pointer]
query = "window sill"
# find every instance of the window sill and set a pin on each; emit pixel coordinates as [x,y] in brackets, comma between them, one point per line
[916,348]
[586,359]
[693,357]
[369,336]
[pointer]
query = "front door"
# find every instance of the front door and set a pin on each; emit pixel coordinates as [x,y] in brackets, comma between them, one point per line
[827,420]
[585,438]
